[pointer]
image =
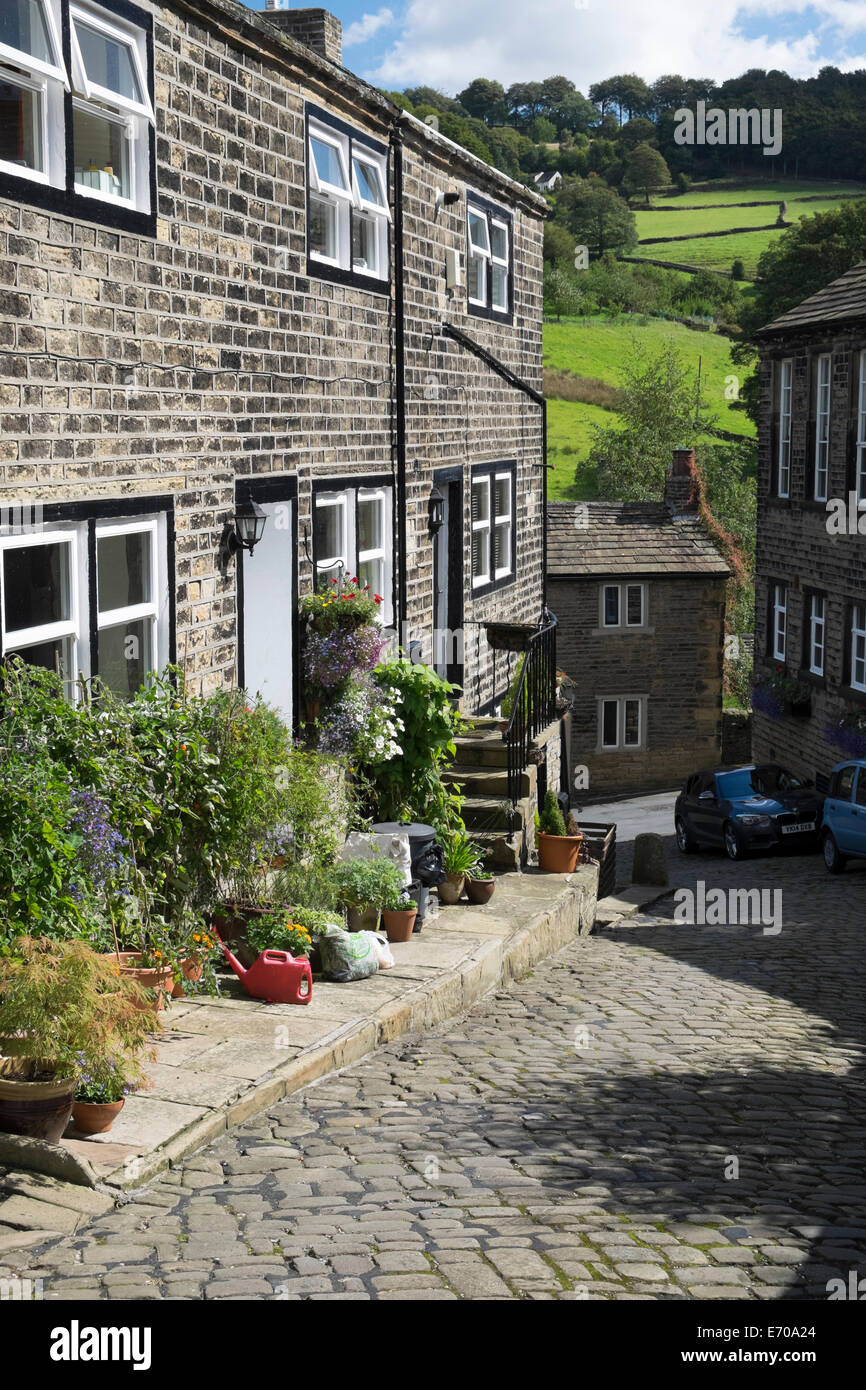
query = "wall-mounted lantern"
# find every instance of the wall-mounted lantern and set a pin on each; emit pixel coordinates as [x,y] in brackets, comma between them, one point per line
[436,511]
[243,532]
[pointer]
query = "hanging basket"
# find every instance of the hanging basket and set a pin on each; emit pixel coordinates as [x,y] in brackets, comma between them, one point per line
[509,637]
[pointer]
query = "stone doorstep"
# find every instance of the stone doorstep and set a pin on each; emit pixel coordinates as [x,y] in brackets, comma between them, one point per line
[481,961]
[627,902]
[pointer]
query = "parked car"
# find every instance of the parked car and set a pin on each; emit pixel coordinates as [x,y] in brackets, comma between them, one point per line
[748,808]
[843,832]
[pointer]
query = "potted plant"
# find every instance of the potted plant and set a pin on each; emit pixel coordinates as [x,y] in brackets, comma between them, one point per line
[398,917]
[460,858]
[479,886]
[363,888]
[101,1092]
[64,1009]
[557,850]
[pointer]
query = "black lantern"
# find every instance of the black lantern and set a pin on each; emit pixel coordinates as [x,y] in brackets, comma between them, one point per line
[243,532]
[436,511]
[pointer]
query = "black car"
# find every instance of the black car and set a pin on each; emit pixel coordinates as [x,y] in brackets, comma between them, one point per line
[745,808]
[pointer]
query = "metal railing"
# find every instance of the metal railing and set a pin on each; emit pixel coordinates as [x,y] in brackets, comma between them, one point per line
[534,702]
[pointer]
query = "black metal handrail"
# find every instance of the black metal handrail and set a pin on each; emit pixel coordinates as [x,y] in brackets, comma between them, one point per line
[534,702]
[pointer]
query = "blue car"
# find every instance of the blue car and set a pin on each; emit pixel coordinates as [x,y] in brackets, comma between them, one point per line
[843,830]
[748,808]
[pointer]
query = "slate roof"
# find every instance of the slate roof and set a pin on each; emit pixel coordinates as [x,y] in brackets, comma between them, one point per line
[844,298]
[628,538]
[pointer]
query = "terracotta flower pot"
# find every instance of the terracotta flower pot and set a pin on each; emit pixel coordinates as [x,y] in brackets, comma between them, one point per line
[480,890]
[399,925]
[451,890]
[148,976]
[92,1117]
[32,1103]
[557,854]
[192,971]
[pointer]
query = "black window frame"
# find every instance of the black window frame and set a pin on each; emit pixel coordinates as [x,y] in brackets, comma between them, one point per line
[476,203]
[320,270]
[65,201]
[482,470]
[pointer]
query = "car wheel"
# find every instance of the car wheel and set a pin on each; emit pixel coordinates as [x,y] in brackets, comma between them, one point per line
[832,858]
[734,847]
[686,843]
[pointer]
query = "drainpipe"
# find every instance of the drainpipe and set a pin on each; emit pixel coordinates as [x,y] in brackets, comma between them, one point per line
[400,381]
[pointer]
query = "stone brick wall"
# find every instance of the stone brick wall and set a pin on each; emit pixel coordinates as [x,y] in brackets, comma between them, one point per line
[794,548]
[676,662]
[736,736]
[243,364]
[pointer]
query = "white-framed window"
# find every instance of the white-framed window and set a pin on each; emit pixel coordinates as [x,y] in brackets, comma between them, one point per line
[822,428]
[621,722]
[349,216]
[353,538]
[817,630]
[623,605]
[45,589]
[858,646]
[488,257]
[492,523]
[111,109]
[783,462]
[860,479]
[779,614]
[32,83]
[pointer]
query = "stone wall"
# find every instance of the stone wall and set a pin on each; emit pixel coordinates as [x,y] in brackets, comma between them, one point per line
[736,736]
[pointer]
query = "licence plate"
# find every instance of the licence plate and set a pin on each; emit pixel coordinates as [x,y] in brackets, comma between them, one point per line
[796,829]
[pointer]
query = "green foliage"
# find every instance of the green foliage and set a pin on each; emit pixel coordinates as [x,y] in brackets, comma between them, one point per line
[597,216]
[738,270]
[335,605]
[411,787]
[367,882]
[684,183]
[558,244]
[461,855]
[279,931]
[562,292]
[551,820]
[63,1004]
[646,170]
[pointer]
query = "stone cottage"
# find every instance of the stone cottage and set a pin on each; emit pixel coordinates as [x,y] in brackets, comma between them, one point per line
[238,285]
[811,555]
[639,592]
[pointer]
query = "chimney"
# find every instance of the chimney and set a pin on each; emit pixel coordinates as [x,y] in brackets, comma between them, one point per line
[680,491]
[316,29]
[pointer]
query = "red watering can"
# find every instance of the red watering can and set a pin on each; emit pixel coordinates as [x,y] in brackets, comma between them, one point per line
[276,977]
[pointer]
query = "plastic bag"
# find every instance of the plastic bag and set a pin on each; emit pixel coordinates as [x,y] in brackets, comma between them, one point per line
[430,866]
[383,952]
[365,846]
[348,956]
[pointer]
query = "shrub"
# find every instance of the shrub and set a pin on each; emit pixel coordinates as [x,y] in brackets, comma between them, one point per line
[551,821]
[367,882]
[410,787]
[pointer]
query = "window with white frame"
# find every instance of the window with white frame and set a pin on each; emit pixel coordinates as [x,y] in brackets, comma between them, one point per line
[779,622]
[492,522]
[858,647]
[45,589]
[783,462]
[816,629]
[111,112]
[822,428]
[32,83]
[860,479]
[111,109]
[621,722]
[623,605]
[489,259]
[353,539]
[349,216]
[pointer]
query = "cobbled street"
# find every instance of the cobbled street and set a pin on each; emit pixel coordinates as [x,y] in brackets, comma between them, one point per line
[659,1111]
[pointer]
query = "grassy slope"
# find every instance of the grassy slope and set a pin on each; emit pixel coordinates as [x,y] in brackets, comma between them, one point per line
[756,192]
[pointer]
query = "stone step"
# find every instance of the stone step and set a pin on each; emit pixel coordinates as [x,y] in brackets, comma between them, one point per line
[493,813]
[480,748]
[500,851]
[489,781]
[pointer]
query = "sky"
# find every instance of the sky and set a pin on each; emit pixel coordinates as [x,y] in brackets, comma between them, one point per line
[445,43]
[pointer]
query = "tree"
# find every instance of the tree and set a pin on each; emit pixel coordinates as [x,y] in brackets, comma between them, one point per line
[738,270]
[541,131]
[485,100]
[646,170]
[558,243]
[684,183]
[660,410]
[562,294]
[599,218]
[636,132]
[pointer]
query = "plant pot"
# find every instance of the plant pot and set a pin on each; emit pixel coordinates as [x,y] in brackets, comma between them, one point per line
[451,890]
[557,854]
[399,925]
[148,976]
[192,971]
[362,918]
[230,924]
[93,1117]
[313,709]
[480,890]
[38,1108]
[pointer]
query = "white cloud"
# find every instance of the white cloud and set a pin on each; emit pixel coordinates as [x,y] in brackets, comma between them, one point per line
[445,43]
[365,27]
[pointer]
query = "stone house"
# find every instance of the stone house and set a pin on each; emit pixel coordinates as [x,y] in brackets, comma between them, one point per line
[232,273]
[811,552]
[639,593]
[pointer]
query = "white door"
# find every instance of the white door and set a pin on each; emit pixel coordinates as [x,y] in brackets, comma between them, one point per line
[269,609]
